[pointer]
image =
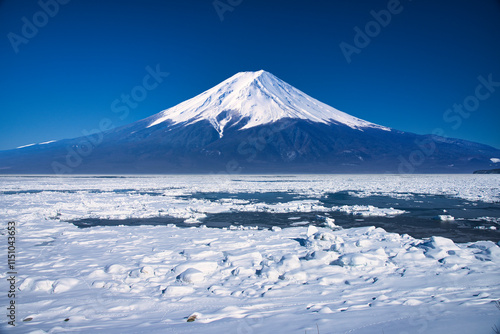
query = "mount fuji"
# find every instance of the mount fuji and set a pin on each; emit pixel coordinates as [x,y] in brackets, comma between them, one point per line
[252,122]
[252,99]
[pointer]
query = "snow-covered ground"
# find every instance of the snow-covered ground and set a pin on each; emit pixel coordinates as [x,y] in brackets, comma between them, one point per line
[133,279]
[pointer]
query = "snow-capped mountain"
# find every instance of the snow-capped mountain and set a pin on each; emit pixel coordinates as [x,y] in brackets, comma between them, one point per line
[250,99]
[252,122]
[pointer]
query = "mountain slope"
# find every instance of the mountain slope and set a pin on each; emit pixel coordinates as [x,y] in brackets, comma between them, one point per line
[255,98]
[252,122]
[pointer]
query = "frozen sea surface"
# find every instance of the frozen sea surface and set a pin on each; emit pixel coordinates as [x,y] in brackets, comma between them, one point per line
[420,215]
[289,254]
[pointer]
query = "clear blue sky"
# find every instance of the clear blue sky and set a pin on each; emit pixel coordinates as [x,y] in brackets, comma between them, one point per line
[63,79]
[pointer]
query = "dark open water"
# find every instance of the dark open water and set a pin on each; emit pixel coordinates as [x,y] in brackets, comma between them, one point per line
[420,221]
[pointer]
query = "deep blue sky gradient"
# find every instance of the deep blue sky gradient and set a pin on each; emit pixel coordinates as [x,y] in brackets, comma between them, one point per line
[64,80]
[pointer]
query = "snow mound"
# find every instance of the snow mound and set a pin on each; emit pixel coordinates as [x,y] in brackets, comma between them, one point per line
[191,275]
[65,284]
[177,291]
[206,267]
[439,248]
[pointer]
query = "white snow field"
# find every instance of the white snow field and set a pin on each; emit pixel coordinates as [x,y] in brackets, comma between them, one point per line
[303,279]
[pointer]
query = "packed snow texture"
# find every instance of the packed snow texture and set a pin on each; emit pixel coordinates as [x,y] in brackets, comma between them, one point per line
[255,98]
[134,279]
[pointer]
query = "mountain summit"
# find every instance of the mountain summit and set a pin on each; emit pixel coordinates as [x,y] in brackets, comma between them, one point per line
[252,122]
[251,99]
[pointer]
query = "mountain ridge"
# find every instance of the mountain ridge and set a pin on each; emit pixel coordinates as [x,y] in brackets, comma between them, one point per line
[252,122]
